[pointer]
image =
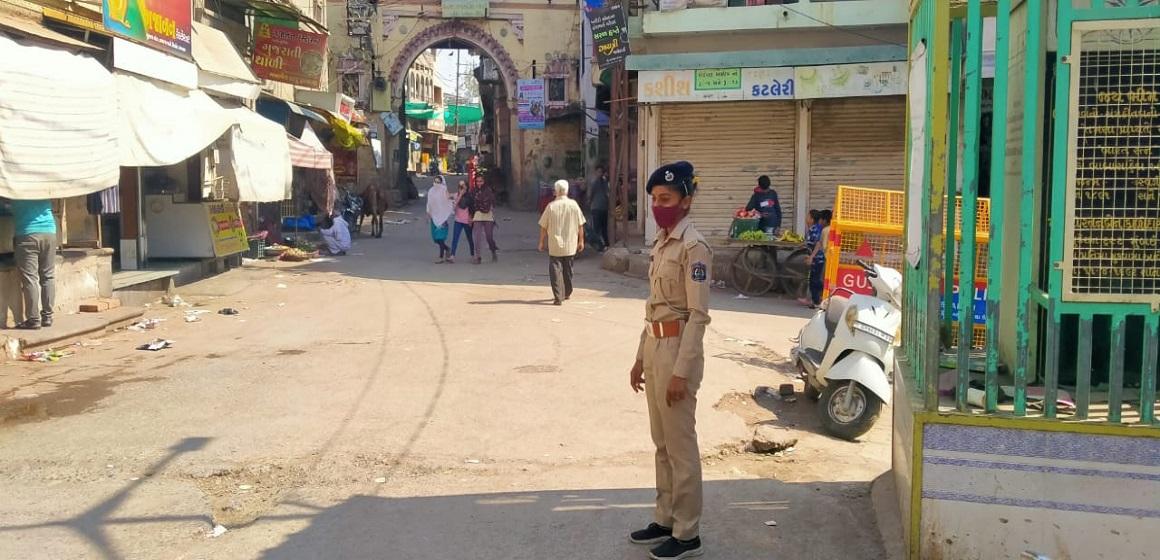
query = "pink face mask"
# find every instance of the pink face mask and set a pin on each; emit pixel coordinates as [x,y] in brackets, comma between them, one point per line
[668,217]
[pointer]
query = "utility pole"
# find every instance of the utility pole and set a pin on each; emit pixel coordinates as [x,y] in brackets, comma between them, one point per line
[458,99]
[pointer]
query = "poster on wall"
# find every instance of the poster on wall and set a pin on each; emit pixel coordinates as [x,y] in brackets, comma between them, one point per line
[227,229]
[530,104]
[288,55]
[162,24]
[609,34]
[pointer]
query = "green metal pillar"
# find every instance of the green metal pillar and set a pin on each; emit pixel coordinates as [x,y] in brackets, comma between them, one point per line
[998,198]
[973,100]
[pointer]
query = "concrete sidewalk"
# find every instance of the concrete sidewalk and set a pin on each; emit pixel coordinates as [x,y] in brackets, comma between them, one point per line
[67,328]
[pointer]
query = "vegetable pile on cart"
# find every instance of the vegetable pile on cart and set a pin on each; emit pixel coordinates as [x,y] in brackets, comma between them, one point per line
[767,261]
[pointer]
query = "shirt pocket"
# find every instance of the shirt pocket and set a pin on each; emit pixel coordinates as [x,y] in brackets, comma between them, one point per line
[670,275]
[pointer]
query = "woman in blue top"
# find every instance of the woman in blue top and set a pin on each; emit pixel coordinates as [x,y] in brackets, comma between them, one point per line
[34,243]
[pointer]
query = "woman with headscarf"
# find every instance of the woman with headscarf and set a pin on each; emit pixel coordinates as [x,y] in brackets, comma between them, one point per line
[440,210]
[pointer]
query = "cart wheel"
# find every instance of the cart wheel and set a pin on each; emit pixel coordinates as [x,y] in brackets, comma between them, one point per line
[753,272]
[795,274]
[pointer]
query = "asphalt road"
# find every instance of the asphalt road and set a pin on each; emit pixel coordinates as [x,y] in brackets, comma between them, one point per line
[383,406]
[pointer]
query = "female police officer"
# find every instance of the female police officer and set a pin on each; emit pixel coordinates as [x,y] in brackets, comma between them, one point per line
[670,362]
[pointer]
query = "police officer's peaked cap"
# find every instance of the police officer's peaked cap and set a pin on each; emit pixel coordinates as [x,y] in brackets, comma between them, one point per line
[678,174]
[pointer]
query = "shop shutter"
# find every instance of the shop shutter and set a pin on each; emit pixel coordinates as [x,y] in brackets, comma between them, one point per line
[730,145]
[856,141]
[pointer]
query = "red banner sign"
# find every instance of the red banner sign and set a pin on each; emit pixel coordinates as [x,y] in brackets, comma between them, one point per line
[288,55]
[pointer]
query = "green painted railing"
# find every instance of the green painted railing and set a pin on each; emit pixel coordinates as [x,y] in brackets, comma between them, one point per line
[1074,360]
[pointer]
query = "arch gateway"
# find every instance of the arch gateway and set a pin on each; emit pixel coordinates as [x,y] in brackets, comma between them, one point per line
[524,43]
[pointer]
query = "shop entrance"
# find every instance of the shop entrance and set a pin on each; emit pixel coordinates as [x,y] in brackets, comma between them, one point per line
[455,85]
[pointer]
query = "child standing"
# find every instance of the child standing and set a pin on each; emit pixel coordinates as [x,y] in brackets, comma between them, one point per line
[819,232]
[813,234]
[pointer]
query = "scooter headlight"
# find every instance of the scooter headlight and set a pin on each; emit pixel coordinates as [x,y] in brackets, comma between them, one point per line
[851,317]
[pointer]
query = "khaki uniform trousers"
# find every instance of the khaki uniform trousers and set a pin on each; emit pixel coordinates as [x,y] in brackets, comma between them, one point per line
[674,432]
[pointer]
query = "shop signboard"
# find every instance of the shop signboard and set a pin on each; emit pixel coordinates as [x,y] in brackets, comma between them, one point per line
[530,106]
[609,34]
[767,83]
[851,80]
[288,55]
[465,8]
[774,83]
[226,228]
[165,25]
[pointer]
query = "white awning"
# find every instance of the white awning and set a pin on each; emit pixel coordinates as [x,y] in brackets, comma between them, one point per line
[309,151]
[160,124]
[259,157]
[220,68]
[57,123]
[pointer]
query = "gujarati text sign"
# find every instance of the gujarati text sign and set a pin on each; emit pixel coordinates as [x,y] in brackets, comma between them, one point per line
[465,8]
[161,24]
[609,34]
[1113,224]
[227,229]
[288,55]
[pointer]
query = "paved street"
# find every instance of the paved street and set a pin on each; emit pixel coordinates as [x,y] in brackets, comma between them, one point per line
[383,406]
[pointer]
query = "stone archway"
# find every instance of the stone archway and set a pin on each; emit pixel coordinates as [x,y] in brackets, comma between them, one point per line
[463,31]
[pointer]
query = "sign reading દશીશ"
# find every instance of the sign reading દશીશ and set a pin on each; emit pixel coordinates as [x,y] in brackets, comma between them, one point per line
[609,34]
[162,24]
[288,55]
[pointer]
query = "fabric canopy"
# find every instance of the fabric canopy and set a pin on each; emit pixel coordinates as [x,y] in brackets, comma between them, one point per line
[259,157]
[346,136]
[467,114]
[309,151]
[57,123]
[162,125]
[420,110]
[220,68]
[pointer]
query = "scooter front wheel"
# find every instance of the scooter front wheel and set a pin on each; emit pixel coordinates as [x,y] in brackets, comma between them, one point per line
[848,409]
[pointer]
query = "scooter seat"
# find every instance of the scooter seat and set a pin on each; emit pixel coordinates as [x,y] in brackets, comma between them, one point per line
[835,310]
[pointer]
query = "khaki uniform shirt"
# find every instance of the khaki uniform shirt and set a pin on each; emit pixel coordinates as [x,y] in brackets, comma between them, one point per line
[679,274]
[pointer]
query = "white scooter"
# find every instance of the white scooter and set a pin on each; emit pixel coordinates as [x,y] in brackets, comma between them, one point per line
[845,353]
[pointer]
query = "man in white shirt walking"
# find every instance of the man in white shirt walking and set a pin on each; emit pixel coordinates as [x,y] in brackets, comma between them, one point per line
[562,227]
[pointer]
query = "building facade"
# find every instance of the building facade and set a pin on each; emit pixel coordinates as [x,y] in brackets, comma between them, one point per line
[811,94]
[530,47]
[168,153]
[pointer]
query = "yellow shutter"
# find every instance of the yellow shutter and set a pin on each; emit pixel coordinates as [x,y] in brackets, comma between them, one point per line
[730,145]
[856,141]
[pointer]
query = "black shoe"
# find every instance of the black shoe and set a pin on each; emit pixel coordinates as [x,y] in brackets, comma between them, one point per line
[557,302]
[45,321]
[674,549]
[651,535]
[29,325]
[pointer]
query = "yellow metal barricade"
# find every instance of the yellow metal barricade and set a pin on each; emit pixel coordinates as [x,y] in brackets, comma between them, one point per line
[868,226]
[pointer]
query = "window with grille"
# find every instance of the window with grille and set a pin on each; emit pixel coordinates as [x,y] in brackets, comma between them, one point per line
[1112,226]
[557,91]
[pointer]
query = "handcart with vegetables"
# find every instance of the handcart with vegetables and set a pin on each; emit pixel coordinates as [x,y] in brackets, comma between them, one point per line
[767,262]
